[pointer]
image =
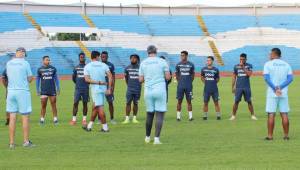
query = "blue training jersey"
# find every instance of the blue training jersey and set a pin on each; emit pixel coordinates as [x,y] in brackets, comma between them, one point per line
[278,71]
[131,73]
[184,73]
[18,70]
[211,76]
[111,67]
[4,75]
[242,79]
[153,69]
[78,78]
[97,72]
[47,80]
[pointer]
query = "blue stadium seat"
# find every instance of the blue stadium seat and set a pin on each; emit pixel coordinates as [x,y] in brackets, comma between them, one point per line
[59,19]
[258,55]
[149,25]
[12,21]
[290,22]
[223,23]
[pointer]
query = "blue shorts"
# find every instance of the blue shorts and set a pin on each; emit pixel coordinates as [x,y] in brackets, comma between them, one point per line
[213,94]
[240,92]
[156,98]
[110,98]
[81,95]
[132,96]
[48,93]
[277,103]
[18,101]
[187,91]
[98,99]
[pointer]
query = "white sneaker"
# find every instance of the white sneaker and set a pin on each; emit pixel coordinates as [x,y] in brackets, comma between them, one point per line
[147,139]
[157,142]
[232,117]
[113,122]
[253,117]
[178,116]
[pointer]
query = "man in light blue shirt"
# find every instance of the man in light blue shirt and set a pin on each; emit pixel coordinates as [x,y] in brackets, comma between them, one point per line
[18,100]
[154,71]
[94,74]
[278,75]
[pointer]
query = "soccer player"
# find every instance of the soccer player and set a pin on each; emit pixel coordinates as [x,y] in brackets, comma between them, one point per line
[110,97]
[278,75]
[47,86]
[210,77]
[95,74]
[167,81]
[133,87]
[154,71]
[5,83]
[241,85]
[81,90]
[185,72]
[18,99]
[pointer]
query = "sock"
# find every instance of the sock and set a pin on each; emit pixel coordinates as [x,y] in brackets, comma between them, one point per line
[84,118]
[149,123]
[74,118]
[55,119]
[218,114]
[90,125]
[156,139]
[190,114]
[126,117]
[205,114]
[178,115]
[105,127]
[159,123]
[42,119]
[134,117]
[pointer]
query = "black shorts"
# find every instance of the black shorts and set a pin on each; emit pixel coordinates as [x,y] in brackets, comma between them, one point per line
[240,92]
[109,98]
[132,96]
[187,91]
[208,94]
[82,95]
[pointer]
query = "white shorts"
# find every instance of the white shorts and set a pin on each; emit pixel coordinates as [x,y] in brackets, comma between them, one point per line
[277,103]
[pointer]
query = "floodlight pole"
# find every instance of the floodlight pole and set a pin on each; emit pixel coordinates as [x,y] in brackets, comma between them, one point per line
[121,9]
[83,9]
[140,9]
[197,10]
[102,8]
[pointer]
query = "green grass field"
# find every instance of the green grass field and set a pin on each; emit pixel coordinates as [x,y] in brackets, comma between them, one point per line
[199,144]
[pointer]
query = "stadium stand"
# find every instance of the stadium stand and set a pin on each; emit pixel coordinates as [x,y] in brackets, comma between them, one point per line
[122,35]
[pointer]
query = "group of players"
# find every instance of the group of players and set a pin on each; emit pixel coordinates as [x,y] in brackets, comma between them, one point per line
[99,76]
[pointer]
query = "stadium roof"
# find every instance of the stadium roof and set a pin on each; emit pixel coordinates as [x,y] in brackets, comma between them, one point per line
[224,3]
